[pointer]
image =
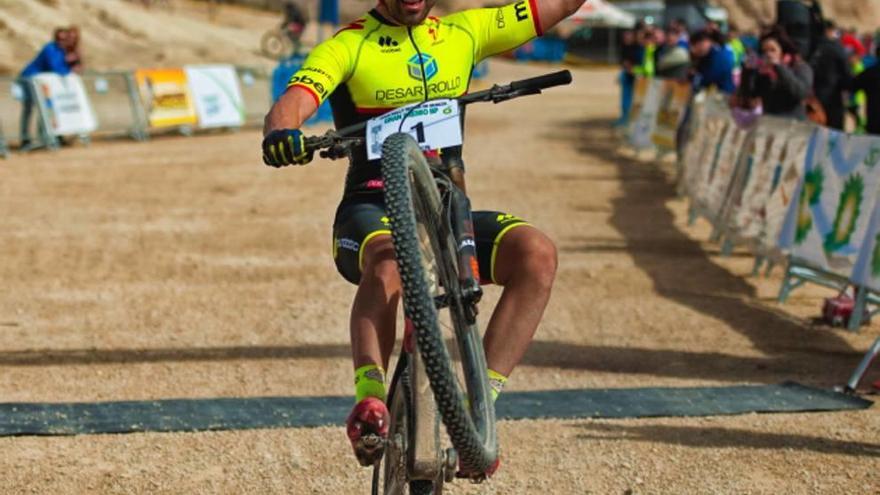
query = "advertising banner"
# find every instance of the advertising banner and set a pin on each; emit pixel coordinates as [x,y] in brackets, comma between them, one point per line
[166,97]
[715,190]
[704,146]
[867,269]
[773,166]
[65,103]
[673,102]
[217,96]
[646,103]
[827,225]
[787,177]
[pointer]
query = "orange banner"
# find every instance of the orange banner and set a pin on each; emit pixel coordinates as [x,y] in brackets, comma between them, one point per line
[166,97]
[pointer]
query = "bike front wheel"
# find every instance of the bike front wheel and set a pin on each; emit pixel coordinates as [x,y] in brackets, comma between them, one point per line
[427,260]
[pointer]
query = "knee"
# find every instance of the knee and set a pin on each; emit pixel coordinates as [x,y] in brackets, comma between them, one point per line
[538,260]
[380,267]
[542,261]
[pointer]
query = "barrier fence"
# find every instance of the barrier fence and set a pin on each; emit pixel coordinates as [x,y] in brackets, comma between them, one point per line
[789,191]
[136,104]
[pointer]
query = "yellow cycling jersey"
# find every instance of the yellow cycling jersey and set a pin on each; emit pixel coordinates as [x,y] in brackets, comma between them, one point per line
[372,65]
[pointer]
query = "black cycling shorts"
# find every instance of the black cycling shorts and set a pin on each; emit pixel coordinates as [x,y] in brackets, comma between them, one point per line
[360,219]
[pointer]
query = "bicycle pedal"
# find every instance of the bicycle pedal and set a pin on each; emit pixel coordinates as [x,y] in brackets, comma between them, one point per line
[369,449]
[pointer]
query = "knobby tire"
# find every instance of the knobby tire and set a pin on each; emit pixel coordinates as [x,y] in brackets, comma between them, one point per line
[476,449]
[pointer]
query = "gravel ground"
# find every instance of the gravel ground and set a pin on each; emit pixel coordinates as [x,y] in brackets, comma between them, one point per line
[184,268]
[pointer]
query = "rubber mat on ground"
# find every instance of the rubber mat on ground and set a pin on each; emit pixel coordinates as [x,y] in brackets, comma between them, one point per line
[298,412]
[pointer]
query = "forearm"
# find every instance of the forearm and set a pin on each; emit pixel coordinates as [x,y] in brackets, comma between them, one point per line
[291,111]
[550,12]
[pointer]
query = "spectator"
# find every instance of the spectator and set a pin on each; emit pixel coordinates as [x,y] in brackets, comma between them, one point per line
[294,23]
[73,56]
[712,65]
[781,80]
[869,82]
[851,42]
[673,60]
[750,42]
[857,99]
[680,27]
[735,44]
[52,58]
[647,42]
[631,58]
[832,76]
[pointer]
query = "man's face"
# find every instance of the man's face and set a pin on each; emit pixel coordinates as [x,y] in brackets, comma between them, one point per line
[409,12]
[701,48]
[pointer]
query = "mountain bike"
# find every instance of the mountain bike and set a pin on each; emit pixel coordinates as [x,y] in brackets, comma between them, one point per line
[432,234]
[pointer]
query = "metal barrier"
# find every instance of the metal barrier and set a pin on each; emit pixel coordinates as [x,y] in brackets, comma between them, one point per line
[11,96]
[116,104]
[256,91]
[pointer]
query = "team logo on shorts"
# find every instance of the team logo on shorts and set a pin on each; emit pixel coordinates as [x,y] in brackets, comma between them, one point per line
[415,64]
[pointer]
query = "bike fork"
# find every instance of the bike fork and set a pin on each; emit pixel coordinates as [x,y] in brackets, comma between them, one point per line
[466,245]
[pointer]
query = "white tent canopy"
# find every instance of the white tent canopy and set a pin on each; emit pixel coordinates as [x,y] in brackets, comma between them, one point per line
[602,13]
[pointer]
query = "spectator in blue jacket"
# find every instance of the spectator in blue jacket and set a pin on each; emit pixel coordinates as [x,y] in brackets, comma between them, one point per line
[52,58]
[713,65]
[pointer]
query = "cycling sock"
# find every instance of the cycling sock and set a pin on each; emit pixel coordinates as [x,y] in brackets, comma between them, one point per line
[369,381]
[496,383]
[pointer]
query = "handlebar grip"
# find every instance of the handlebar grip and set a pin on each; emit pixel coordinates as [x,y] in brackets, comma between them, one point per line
[560,78]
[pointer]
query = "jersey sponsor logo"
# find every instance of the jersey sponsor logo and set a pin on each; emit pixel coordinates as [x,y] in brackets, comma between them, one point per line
[318,70]
[395,96]
[506,218]
[349,244]
[499,19]
[417,62]
[307,81]
[387,41]
[522,11]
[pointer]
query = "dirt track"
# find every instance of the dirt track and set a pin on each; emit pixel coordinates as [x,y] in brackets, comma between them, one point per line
[184,268]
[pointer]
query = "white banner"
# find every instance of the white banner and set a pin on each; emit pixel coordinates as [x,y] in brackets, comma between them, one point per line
[217,96]
[646,105]
[786,179]
[707,123]
[66,104]
[828,224]
[773,167]
[715,190]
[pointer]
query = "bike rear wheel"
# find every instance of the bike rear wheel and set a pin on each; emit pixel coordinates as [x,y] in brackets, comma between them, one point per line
[393,469]
[427,261]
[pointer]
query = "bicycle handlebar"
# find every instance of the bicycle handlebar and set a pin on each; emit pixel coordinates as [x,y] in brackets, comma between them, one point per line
[560,78]
[336,144]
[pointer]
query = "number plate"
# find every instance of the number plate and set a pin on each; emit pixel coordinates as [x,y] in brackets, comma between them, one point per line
[435,124]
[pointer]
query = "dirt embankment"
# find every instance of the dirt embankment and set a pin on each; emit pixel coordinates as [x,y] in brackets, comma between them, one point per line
[119,34]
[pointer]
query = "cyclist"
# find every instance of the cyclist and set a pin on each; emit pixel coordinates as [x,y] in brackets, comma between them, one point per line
[393,56]
[295,20]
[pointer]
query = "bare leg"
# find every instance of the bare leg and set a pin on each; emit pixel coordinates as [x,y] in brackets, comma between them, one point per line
[374,311]
[525,266]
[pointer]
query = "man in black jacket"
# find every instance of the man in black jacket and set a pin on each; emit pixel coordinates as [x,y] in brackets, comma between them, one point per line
[832,76]
[869,82]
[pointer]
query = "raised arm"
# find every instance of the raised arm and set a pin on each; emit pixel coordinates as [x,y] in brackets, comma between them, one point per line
[551,12]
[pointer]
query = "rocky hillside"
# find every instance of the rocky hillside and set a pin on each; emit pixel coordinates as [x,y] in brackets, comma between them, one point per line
[118,34]
[861,14]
